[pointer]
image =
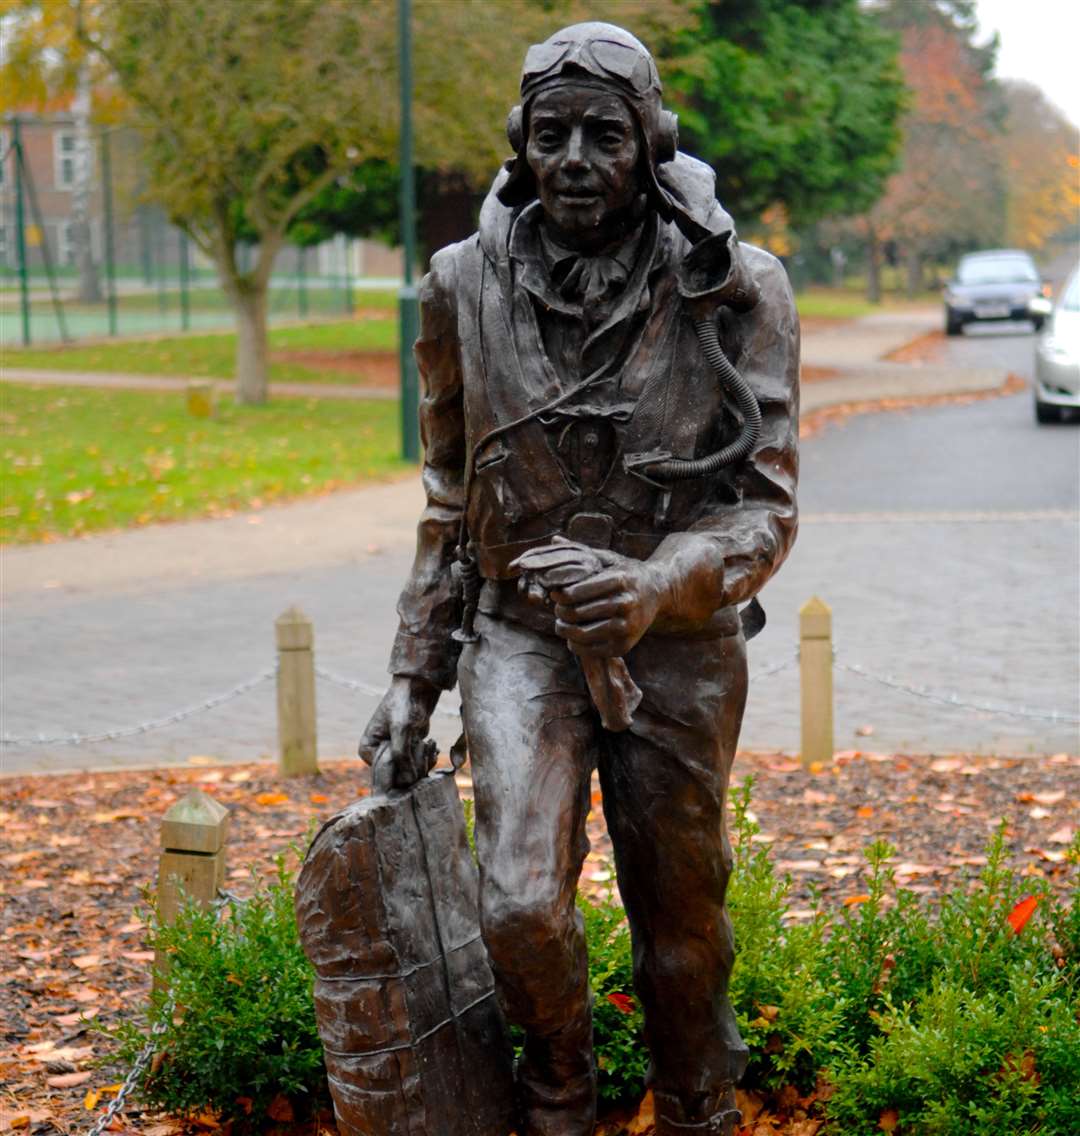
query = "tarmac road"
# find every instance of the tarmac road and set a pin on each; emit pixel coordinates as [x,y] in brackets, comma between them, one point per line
[945,539]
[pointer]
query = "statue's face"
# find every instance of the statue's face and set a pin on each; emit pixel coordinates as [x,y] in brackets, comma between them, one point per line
[583,150]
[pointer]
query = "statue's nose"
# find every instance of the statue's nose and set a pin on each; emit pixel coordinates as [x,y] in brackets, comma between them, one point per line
[576,156]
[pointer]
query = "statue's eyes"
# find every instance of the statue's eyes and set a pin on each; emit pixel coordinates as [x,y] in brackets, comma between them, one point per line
[611,140]
[548,139]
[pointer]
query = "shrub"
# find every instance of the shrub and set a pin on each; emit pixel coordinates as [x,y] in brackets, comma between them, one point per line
[243,1030]
[785,1001]
[621,1056]
[954,1013]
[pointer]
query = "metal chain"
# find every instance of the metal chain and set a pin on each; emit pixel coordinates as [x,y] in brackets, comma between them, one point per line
[954,699]
[146,1054]
[368,688]
[775,668]
[142,727]
[136,1071]
[454,712]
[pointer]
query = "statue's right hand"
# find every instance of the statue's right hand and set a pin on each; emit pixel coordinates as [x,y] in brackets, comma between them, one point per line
[393,741]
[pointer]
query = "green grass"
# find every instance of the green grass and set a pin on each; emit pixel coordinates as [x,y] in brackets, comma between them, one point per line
[849,302]
[75,461]
[213,356]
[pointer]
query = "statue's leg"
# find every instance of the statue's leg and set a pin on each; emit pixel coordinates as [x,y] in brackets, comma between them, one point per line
[664,783]
[532,737]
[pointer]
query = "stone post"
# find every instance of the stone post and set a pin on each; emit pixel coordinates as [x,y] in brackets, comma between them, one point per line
[296,693]
[816,675]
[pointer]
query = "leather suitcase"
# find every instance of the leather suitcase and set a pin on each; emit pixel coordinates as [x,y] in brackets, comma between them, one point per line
[386,906]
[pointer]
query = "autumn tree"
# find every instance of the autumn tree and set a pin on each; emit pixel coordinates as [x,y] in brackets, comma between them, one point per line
[44,63]
[1040,156]
[947,193]
[247,112]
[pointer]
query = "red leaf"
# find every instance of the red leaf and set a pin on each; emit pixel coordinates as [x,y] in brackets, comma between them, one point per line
[622,1002]
[1022,912]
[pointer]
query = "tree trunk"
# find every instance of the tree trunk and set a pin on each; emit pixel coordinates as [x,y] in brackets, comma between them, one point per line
[252,368]
[913,265]
[89,282]
[873,266]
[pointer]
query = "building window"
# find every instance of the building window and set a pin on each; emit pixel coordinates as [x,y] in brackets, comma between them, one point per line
[65,160]
[65,242]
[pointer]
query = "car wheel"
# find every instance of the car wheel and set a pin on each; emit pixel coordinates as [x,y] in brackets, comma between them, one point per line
[954,325]
[1037,322]
[1046,413]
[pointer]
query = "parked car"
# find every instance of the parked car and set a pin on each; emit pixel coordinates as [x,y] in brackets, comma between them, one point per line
[1057,357]
[1000,284]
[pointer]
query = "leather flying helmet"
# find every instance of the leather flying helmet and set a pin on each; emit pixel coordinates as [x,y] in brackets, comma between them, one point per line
[595,54]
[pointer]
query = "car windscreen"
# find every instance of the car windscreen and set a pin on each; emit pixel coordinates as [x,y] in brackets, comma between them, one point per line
[997,270]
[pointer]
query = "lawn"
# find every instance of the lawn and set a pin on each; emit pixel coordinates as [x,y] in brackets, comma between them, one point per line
[213,356]
[75,461]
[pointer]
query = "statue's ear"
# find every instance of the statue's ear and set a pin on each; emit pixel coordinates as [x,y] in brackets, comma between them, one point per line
[514,129]
[667,137]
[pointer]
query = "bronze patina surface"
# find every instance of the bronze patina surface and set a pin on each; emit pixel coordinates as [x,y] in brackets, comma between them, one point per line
[610,419]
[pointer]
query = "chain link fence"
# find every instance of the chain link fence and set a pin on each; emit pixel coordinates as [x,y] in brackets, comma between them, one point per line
[84,256]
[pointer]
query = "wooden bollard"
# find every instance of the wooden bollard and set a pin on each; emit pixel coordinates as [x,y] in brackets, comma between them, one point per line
[296,693]
[192,864]
[201,398]
[816,676]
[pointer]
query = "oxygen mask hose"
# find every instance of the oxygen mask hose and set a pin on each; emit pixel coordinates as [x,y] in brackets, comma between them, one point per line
[682,469]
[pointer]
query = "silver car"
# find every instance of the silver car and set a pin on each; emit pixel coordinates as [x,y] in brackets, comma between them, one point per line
[1057,357]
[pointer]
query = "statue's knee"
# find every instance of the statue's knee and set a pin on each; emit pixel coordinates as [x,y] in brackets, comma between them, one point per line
[519,928]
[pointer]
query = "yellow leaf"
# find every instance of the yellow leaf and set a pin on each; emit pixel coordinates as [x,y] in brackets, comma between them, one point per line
[91,1099]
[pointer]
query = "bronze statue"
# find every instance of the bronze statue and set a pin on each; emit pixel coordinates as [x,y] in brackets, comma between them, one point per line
[610,421]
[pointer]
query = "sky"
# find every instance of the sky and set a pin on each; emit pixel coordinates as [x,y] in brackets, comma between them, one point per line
[1040,42]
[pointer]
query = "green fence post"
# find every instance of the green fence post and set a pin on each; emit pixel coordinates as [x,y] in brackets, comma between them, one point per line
[46,256]
[408,305]
[20,230]
[301,279]
[110,248]
[348,280]
[159,262]
[185,298]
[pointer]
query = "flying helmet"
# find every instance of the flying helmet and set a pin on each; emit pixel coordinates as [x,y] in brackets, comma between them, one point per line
[591,54]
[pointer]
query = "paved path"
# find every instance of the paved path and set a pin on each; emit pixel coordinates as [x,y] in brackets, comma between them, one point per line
[945,539]
[108,381]
[852,350]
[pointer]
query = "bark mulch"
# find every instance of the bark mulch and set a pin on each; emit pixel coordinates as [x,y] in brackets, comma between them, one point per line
[78,850]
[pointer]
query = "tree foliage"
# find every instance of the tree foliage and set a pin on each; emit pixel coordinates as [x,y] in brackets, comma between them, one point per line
[793,102]
[1040,155]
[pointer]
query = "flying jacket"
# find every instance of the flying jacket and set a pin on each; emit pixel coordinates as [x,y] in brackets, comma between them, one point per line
[484,364]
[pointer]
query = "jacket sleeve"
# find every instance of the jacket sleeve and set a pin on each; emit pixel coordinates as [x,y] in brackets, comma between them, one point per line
[730,552]
[429,608]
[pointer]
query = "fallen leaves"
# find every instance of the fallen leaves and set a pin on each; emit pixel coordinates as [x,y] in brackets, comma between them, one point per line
[1022,912]
[267,799]
[68,1080]
[59,906]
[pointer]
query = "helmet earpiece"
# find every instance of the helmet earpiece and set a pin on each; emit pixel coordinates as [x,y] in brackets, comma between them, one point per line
[667,136]
[514,129]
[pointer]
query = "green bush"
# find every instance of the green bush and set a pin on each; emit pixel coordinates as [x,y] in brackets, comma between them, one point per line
[935,1009]
[243,1031]
[621,1056]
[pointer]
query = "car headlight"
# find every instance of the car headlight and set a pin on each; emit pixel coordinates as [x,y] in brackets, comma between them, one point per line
[1040,305]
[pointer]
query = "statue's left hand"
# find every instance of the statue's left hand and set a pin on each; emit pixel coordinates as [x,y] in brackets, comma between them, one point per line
[608,612]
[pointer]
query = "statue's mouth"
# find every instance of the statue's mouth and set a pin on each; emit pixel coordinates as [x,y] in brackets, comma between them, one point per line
[577,196]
